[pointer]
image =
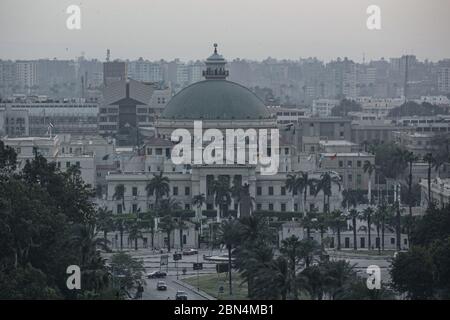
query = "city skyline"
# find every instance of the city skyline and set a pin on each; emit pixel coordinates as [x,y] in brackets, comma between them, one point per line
[285,29]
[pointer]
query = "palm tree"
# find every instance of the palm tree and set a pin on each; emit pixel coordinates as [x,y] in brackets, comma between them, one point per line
[291,249]
[279,273]
[119,194]
[353,214]
[337,221]
[401,158]
[84,238]
[229,236]
[410,158]
[383,214]
[198,202]
[367,216]
[241,195]
[308,222]
[168,226]
[105,221]
[325,185]
[148,222]
[181,225]
[120,225]
[166,209]
[134,231]
[222,195]
[299,183]
[369,168]
[158,186]
[430,160]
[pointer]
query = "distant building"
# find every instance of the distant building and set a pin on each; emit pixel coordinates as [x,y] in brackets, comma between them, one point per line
[26,74]
[440,192]
[331,128]
[322,107]
[131,104]
[444,80]
[286,115]
[114,71]
[14,122]
[86,152]
[350,167]
[74,116]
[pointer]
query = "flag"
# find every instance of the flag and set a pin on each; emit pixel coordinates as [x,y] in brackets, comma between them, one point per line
[334,157]
[310,157]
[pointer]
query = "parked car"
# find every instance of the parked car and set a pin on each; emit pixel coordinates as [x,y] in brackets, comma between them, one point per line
[181,295]
[156,274]
[161,285]
[189,252]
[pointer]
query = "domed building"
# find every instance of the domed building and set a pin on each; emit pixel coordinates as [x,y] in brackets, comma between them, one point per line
[218,104]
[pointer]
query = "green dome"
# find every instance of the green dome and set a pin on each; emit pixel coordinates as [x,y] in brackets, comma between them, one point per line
[215,99]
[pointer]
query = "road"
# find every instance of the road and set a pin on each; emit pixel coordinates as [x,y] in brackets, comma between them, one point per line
[174,270]
[150,292]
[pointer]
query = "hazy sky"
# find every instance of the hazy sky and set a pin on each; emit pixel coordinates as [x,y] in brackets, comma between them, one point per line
[253,29]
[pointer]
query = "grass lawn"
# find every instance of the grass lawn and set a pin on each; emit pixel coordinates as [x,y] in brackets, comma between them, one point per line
[366,253]
[211,283]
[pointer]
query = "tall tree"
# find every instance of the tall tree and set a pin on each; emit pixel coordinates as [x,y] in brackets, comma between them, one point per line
[337,222]
[367,215]
[105,221]
[354,214]
[430,160]
[229,234]
[325,185]
[119,194]
[222,195]
[158,186]
[369,168]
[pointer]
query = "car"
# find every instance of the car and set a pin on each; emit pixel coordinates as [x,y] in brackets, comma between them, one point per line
[156,274]
[161,285]
[189,252]
[181,295]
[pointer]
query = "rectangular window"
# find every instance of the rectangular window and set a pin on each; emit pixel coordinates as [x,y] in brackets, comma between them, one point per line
[119,209]
[283,191]
[270,191]
[134,190]
[283,207]
[358,179]
[271,206]
[392,240]
[258,206]
[134,208]
[258,191]
[175,191]
[358,163]
[187,191]
[341,164]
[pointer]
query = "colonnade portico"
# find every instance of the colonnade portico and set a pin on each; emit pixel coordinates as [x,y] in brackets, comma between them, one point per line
[201,174]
